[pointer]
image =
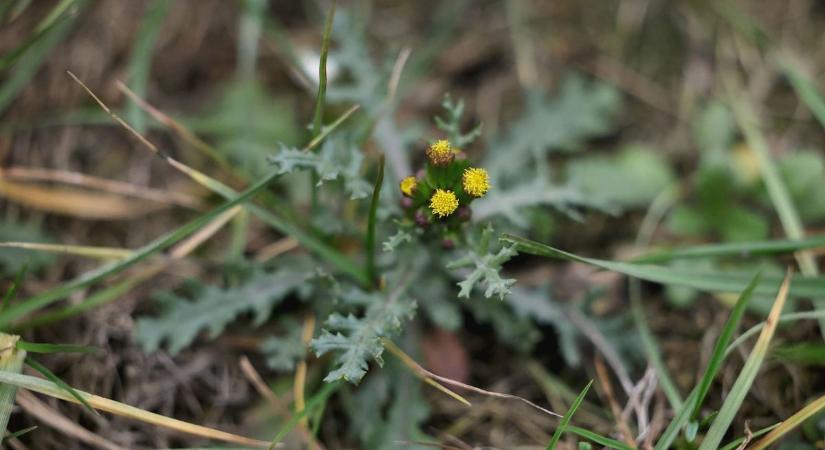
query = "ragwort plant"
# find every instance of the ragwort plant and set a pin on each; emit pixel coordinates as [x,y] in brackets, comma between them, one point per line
[446,232]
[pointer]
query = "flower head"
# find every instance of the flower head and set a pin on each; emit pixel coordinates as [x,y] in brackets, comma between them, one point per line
[440,153]
[443,203]
[408,186]
[475,181]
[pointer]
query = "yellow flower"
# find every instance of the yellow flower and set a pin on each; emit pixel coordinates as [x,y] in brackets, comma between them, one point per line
[408,186]
[475,181]
[441,153]
[443,203]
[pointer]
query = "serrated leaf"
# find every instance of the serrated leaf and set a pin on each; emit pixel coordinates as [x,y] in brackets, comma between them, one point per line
[485,268]
[357,340]
[451,123]
[283,352]
[214,308]
[393,242]
[337,159]
[514,202]
[579,111]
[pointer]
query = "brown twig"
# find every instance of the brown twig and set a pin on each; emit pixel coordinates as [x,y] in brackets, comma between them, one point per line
[607,388]
[426,374]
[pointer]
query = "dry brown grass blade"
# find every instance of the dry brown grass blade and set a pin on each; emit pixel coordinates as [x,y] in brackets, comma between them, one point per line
[615,409]
[177,128]
[104,253]
[277,405]
[75,202]
[276,248]
[424,373]
[174,197]
[301,369]
[42,412]
[121,409]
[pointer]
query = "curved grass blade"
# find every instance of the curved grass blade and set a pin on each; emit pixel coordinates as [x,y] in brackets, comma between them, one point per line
[316,400]
[19,433]
[567,416]
[599,439]
[718,355]
[790,423]
[34,56]
[698,279]
[59,383]
[13,313]
[35,347]
[15,285]
[370,239]
[140,62]
[743,382]
[734,249]
[104,404]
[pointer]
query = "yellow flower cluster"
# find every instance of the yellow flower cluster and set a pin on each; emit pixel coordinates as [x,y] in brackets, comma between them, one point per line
[441,153]
[447,183]
[443,203]
[408,186]
[475,181]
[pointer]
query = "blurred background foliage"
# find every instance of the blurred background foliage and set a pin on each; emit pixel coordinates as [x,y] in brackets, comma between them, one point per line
[591,117]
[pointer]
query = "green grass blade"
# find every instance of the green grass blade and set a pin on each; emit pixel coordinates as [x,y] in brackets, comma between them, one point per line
[98,298]
[652,348]
[11,360]
[36,347]
[718,354]
[567,416]
[10,58]
[320,98]
[599,439]
[59,383]
[712,281]
[19,433]
[790,423]
[734,249]
[370,239]
[804,353]
[140,62]
[804,88]
[248,36]
[31,60]
[316,400]
[777,191]
[9,316]
[734,444]
[790,317]
[679,421]
[11,292]
[743,382]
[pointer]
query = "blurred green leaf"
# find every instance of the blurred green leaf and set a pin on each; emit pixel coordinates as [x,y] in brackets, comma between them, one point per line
[284,351]
[246,121]
[12,260]
[214,308]
[579,111]
[633,178]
